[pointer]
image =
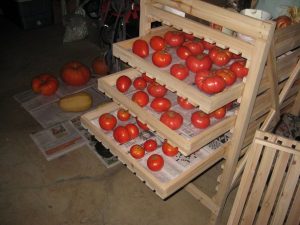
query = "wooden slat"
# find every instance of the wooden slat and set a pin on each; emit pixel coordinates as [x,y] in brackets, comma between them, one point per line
[287,39]
[257,188]
[287,192]
[226,18]
[293,216]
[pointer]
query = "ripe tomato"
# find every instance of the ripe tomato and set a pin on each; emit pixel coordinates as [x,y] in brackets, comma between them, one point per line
[123,83]
[141,125]
[123,114]
[121,134]
[199,62]
[219,113]
[150,145]
[161,104]
[283,21]
[210,84]
[184,103]
[75,73]
[133,130]
[147,79]
[157,90]
[155,162]
[161,58]
[183,52]
[44,84]
[107,121]
[137,151]
[200,120]
[157,43]
[196,47]
[200,76]
[208,45]
[228,76]
[219,56]
[172,119]
[239,69]
[141,98]
[179,71]
[140,47]
[168,149]
[139,83]
[174,38]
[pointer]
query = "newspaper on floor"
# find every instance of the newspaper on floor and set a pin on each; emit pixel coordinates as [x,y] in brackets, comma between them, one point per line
[58,140]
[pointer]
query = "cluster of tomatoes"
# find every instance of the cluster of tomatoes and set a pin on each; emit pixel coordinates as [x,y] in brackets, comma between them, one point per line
[146,87]
[130,131]
[214,67]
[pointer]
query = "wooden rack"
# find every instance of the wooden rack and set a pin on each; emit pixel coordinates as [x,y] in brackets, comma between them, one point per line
[253,93]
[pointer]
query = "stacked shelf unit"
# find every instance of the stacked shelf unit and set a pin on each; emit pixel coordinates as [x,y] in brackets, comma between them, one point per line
[225,139]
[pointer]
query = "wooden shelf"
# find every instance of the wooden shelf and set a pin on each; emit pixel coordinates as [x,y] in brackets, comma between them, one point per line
[188,139]
[185,88]
[177,171]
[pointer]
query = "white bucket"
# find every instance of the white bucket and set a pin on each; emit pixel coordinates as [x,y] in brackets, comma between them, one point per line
[255,13]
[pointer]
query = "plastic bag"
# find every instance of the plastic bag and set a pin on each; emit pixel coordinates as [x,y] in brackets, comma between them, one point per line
[276,7]
[76,28]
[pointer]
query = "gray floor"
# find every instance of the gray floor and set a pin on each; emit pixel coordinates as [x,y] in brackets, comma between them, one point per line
[76,188]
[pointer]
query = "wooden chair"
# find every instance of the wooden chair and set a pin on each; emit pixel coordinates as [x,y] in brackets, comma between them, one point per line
[269,192]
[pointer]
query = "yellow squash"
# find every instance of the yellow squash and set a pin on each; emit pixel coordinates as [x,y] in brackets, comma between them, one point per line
[77,102]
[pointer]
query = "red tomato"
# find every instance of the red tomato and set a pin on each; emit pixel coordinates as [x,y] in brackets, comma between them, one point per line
[239,69]
[147,79]
[137,151]
[174,38]
[121,134]
[142,125]
[184,103]
[156,90]
[161,58]
[228,76]
[208,45]
[155,162]
[179,71]
[219,56]
[123,83]
[150,145]
[123,114]
[200,76]
[283,21]
[44,84]
[196,47]
[107,121]
[133,130]
[75,73]
[161,104]
[199,62]
[141,98]
[140,48]
[183,52]
[157,43]
[139,83]
[200,120]
[210,84]
[172,119]
[188,36]
[168,149]
[219,113]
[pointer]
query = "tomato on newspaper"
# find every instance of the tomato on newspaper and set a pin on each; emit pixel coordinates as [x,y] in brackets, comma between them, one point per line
[198,62]
[168,149]
[179,71]
[123,114]
[200,120]
[228,76]
[174,38]
[123,83]
[141,98]
[239,68]
[160,104]
[172,119]
[107,121]
[158,43]
[137,151]
[156,90]
[132,130]
[219,113]
[155,162]
[140,47]
[150,145]
[121,134]
[161,58]
[220,56]
[184,103]
[139,83]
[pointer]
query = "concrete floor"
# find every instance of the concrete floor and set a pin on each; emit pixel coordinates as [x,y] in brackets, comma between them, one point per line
[76,188]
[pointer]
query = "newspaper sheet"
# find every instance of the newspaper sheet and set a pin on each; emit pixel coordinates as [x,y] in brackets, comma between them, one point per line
[58,140]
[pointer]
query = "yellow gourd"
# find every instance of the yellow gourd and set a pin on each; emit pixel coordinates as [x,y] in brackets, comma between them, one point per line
[77,102]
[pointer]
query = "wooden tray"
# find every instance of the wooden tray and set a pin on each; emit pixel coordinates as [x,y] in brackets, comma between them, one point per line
[188,139]
[177,170]
[186,88]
